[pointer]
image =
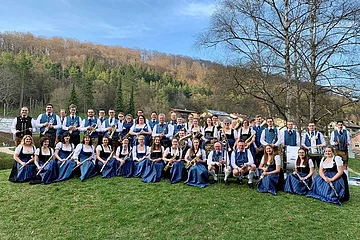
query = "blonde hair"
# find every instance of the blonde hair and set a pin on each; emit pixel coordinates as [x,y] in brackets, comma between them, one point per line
[27,136]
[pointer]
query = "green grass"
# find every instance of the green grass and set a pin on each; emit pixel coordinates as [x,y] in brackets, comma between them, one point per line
[120,208]
[6,161]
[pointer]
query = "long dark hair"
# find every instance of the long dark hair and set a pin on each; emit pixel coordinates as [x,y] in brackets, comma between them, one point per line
[154,146]
[306,158]
[192,149]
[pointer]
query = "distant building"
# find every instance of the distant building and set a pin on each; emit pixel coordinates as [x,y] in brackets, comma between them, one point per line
[184,113]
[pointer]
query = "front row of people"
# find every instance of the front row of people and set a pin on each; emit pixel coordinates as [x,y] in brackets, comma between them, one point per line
[151,164]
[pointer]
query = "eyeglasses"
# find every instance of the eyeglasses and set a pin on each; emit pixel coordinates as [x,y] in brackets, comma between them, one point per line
[227,123]
[120,116]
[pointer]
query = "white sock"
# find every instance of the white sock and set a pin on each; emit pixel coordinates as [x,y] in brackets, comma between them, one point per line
[212,172]
[251,175]
[227,173]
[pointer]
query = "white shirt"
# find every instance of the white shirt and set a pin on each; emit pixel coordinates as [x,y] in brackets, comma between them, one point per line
[14,122]
[200,153]
[276,158]
[64,127]
[168,135]
[249,157]
[61,146]
[262,138]
[78,151]
[177,152]
[282,137]
[83,128]
[225,156]
[332,137]
[134,152]
[338,161]
[40,125]
[313,139]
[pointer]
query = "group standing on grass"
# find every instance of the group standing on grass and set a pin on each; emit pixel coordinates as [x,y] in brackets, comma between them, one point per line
[153,149]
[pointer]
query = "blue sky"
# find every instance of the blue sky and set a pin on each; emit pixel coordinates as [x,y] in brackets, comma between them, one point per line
[168,26]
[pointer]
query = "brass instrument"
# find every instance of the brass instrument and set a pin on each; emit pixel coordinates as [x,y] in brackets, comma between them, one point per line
[112,131]
[247,141]
[48,126]
[92,129]
[225,142]
[193,161]
[238,124]
[170,164]
[71,128]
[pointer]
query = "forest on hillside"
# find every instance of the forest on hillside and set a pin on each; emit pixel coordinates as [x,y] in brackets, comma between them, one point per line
[36,70]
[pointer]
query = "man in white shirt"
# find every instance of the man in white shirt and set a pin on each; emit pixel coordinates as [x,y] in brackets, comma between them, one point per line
[217,160]
[242,163]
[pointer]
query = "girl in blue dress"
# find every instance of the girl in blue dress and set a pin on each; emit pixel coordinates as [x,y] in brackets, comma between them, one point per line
[140,156]
[47,168]
[125,165]
[63,152]
[198,175]
[300,181]
[105,155]
[153,172]
[172,157]
[23,168]
[331,184]
[85,158]
[272,178]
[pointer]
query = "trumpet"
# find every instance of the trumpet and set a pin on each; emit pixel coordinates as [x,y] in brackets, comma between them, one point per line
[51,121]
[72,127]
[112,131]
[92,129]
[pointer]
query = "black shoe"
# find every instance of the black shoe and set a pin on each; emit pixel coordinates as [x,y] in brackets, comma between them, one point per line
[226,183]
[239,181]
[213,181]
[251,185]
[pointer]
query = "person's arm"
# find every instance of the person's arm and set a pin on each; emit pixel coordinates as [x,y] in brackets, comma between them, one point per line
[170,131]
[297,138]
[16,155]
[154,134]
[36,158]
[278,165]
[323,143]
[303,141]
[332,138]
[98,151]
[262,138]
[209,159]
[348,140]
[278,142]
[250,158]
[77,153]
[58,123]
[131,131]
[13,126]
[232,161]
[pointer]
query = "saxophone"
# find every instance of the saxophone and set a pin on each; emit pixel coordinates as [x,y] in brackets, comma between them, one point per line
[170,164]
[192,162]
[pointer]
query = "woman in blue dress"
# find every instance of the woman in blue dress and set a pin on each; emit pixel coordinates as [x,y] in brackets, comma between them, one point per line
[85,158]
[198,175]
[331,184]
[209,132]
[300,181]
[140,128]
[125,164]
[23,168]
[172,157]
[153,172]
[140,156]
[272,178]
[105,155]
[63,152]
[45,163]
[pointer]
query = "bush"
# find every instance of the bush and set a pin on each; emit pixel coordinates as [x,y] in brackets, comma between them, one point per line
[6,161]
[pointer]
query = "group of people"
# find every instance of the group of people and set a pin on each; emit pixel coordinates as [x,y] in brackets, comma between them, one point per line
[153,149]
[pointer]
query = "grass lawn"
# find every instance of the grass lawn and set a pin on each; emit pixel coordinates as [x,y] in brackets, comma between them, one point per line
[120,208]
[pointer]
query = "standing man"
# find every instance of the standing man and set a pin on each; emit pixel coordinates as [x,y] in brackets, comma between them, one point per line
[91,126]
[259,149]
[173,118]
[314,142]
[60,131]
[153,121]
[340,139]
[48,123]
[164,130]
[112,129]
[101,127]
[290,137]
[22,125]
[271,135]
[72,124]
[179,125]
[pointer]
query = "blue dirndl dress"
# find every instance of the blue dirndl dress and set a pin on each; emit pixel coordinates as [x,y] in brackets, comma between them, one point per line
[146,136]
[88,168]
[322,190]
[65,170]
[294,185]
[127,168]
[177,170]
[50,172]
[26,173]
[140,168]
[111,166]
[271,183]
[198,175]
[154,171]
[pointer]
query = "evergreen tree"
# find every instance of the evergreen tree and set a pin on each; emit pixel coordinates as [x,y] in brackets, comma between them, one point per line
[131,108]
[119,104]
[73,98]
[88,90]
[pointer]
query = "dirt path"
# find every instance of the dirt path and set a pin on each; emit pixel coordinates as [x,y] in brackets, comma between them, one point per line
[6,150]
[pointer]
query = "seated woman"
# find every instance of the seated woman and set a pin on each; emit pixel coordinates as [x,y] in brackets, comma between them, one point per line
[331,184]
[196,159]
[45,163]
[272,178]
[140,154]
[23,168]
[63,152]
[300,181]
[104,155]
[125,163]
[85,158]
[154,171]
[174,163]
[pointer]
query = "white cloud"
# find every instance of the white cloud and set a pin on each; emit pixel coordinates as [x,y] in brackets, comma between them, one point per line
[197,9]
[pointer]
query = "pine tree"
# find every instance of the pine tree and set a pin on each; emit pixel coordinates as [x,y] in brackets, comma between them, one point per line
[131,108]
[73,97]
[119,104]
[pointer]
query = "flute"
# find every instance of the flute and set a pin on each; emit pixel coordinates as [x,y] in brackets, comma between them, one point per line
[111,154]
[81,163]
[297,174]
[31,159]
[67,158]
[42,167]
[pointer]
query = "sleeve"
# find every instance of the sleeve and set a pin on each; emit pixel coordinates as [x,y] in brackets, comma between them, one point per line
[323,142]
[77,151]
[303,140]
[117,153]
[58,146]
[119,127]
[278,142]
[13,125]
[332,136]
[37,151]
[203,154]
[311,163]
[339,161]
[281,138]
[216,133]
[38,125]
[209,159]
[99,125]
[154,134]
[33,125]
[170,131]
[98,148]
[322,162]
[148,150]
[58,121]
[277,160]
[297,138]
[166,152]
[18,149]
[262,160]
[250,158]
[187,154]
[64,127]
[236,134]
[348,140]
[82,127]
[262,138]
[232,160]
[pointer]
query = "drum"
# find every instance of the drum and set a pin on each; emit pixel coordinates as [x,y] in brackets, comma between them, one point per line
[291,154]
[316,151]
